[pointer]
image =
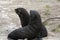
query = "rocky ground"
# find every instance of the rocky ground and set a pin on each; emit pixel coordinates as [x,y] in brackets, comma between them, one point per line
[46,8]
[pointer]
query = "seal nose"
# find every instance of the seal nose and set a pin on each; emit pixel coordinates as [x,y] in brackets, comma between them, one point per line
[16,10]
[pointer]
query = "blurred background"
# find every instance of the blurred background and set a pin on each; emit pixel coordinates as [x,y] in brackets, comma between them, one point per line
[48,9]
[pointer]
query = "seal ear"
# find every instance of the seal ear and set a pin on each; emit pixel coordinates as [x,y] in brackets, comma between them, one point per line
[23,15]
